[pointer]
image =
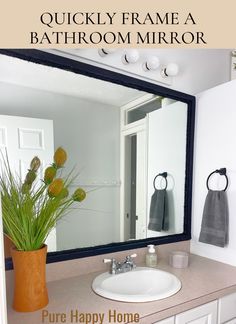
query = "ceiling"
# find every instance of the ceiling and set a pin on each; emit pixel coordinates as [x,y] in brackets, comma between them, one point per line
[36,76]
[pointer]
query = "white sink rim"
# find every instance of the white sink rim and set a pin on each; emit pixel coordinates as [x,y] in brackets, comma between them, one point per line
[99,281]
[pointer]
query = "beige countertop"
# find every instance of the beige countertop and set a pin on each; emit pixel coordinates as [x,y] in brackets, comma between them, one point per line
[204,280]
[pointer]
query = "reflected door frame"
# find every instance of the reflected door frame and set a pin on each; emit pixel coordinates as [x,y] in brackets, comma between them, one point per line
[138,129]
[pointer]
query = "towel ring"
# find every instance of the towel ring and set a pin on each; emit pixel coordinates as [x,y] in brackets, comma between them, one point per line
[164,175]
[221,171]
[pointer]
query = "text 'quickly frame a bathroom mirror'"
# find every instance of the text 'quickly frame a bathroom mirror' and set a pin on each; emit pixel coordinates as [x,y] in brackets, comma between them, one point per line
[63,63]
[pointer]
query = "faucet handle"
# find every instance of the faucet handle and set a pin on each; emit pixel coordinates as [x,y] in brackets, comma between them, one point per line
[114,265]
[112,261]
[108,260]
[129,260]
[130,257]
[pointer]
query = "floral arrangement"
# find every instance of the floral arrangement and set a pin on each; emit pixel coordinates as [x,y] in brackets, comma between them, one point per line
[31,210]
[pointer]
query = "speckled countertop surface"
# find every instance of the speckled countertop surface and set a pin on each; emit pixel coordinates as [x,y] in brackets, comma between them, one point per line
[204,280]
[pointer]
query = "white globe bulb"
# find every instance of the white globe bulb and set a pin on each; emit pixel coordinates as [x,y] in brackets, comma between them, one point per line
[131,56]
[152,63]
[172,69]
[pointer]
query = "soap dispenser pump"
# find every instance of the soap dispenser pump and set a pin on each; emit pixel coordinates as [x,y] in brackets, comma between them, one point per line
[151,256]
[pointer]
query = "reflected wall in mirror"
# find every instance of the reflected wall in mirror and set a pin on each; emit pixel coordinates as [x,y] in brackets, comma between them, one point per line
[119,137]
[153,142]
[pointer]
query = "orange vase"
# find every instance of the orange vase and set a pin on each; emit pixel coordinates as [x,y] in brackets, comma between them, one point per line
[30,291]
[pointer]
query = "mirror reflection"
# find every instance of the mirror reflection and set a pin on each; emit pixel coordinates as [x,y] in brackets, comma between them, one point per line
[128,146]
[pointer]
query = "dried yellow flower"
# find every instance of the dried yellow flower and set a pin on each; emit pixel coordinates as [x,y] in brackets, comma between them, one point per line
[25,188]
[79,195]
[35,164]
[55,187]
[60,157]
[49,174]
[30,177]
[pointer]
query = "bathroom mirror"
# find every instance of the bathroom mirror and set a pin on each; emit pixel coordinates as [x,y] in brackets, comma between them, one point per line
[131,142]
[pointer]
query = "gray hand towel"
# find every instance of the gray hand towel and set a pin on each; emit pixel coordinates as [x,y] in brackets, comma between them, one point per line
[158,216]
[215,220]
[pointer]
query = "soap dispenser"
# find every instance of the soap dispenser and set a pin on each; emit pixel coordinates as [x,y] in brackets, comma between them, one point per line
[151,256]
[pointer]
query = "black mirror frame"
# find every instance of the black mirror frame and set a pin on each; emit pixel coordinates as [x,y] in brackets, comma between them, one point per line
[60,62]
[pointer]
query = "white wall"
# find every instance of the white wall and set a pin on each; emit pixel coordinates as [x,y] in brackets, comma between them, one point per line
[200,69]
[90,133]
[167,153]
[215,147]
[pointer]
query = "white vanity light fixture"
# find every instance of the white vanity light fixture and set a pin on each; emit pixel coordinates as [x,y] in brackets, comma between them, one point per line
[152,63]
[130,56]
[105,51]
[170,70]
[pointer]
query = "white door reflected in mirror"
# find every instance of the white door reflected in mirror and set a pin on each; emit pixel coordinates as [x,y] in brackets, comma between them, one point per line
[23,138]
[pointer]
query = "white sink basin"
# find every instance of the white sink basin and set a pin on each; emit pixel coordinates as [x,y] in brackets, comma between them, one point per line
[139,285]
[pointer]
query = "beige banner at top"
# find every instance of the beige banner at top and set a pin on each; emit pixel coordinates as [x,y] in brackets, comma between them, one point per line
[123,23]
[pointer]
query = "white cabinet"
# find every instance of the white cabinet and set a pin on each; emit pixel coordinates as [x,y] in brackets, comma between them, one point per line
[227,309]
[170,320]
[204,314]
[221,311]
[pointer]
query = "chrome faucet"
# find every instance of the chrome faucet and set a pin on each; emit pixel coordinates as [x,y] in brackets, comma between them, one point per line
[121,267]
